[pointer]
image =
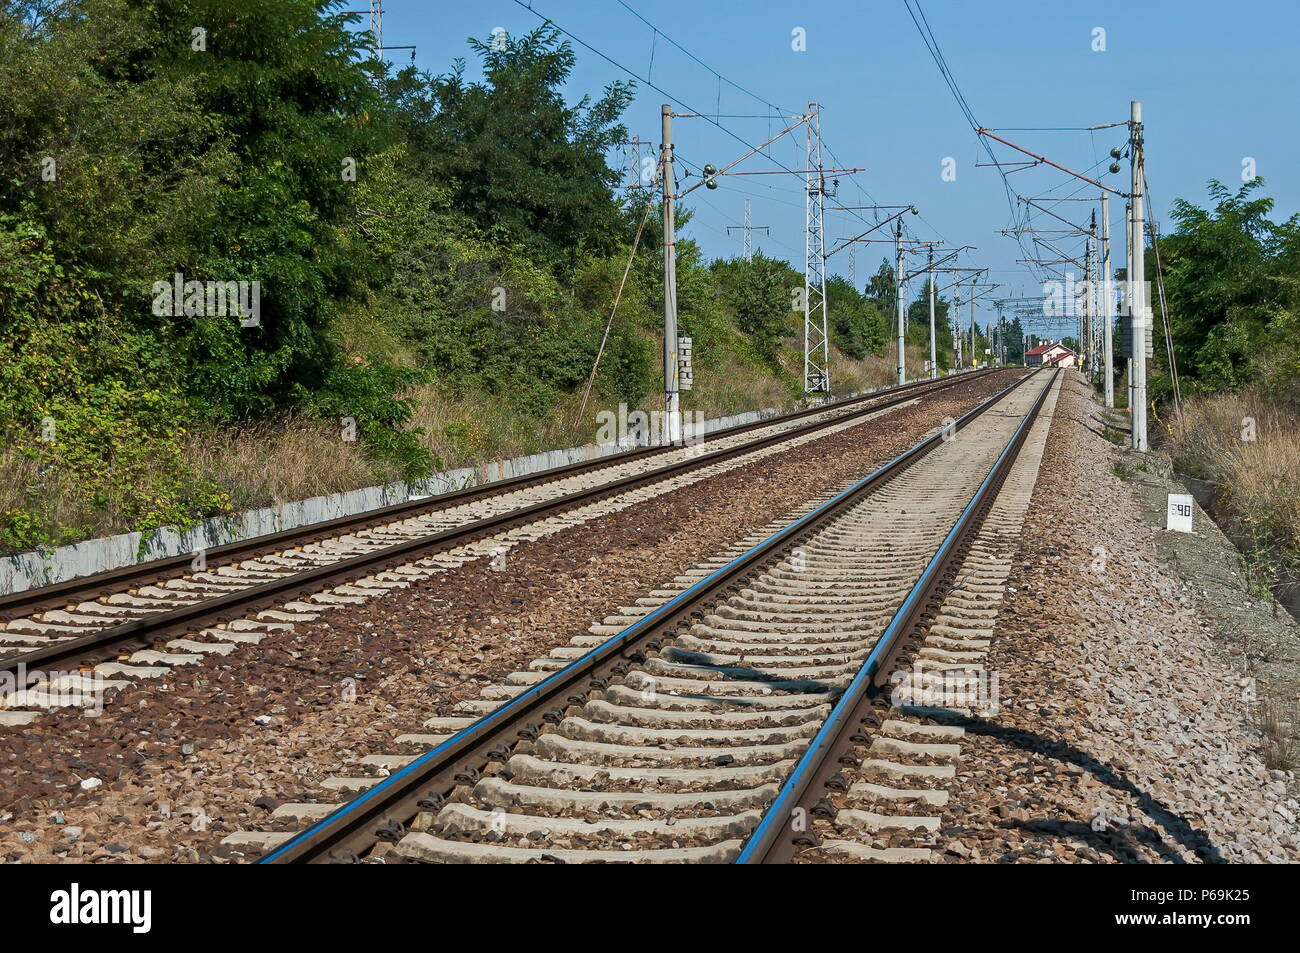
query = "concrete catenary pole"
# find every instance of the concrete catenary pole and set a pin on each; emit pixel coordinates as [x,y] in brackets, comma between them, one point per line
[1086,358]
[898,283]
[974,357]
[934,358]
[1137,282]
[934,362]
[1107,307]
[672,407]
[1128,288]
[956,321]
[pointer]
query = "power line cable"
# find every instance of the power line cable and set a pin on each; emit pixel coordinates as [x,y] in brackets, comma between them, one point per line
[701,63]
[615,63]
[932,45]
[528,5]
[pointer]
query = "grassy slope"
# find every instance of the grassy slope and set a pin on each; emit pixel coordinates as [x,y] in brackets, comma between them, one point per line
[282,460]
[1258,479]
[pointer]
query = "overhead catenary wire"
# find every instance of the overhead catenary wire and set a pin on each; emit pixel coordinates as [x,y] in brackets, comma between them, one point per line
[702,64]
[1170,353]
[1019,219]
[715,117]
[644,79]
[932,46]
[773,107]
[708,116]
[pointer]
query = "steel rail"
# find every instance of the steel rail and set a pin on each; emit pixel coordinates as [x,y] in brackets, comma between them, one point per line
[832,747]
[141,632]
[56,596]
[382,811]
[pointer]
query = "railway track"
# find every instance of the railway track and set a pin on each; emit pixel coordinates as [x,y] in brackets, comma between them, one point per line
[709,722]
[140,621]
[888,805]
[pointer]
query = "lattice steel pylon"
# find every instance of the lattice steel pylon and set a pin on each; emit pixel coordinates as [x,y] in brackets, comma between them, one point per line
[376,13]
[816,342]
[377,25]
[748,228]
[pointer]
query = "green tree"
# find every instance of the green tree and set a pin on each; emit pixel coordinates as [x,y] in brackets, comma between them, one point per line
[858,325]
[516,157]
[219,156]
[758,293]
[1233,284]
[882,286]
[918,322]
[1015,341]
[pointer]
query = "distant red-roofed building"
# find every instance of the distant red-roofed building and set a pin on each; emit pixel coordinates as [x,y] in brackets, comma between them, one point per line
[1050,355]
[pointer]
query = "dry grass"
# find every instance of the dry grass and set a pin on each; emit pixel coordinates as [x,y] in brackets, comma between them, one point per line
[467,429]
[26,486]
[283,460]
[734,388]
[1280,751]
[870,372]
[464,430]
[1265,482]
[1258,480]
[1205,438]
[291,458]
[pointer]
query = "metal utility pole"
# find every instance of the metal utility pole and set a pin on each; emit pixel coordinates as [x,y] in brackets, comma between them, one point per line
[816,339]
[748,228]
[1137,278]
[953,315]
[1107,305]
[672,407]
[934,361]
[930,271]
[632,154]
[898,284]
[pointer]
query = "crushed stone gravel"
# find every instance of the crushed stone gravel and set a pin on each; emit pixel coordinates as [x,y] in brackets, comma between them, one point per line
[216,746]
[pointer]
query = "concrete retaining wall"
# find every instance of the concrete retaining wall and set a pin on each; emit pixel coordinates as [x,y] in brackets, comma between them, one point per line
[44,567]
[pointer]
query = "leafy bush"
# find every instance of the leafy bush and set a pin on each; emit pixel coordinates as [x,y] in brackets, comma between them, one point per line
[472,261]
[1231,276]
[367,396]
[758,293]
[91,413]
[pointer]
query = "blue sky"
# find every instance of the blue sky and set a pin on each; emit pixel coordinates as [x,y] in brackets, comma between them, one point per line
[1216,81]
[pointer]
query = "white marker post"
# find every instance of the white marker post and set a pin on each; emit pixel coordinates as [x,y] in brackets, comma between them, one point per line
[1178,517]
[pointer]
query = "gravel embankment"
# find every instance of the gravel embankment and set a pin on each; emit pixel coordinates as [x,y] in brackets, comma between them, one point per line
[203,751]
[1124,736]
